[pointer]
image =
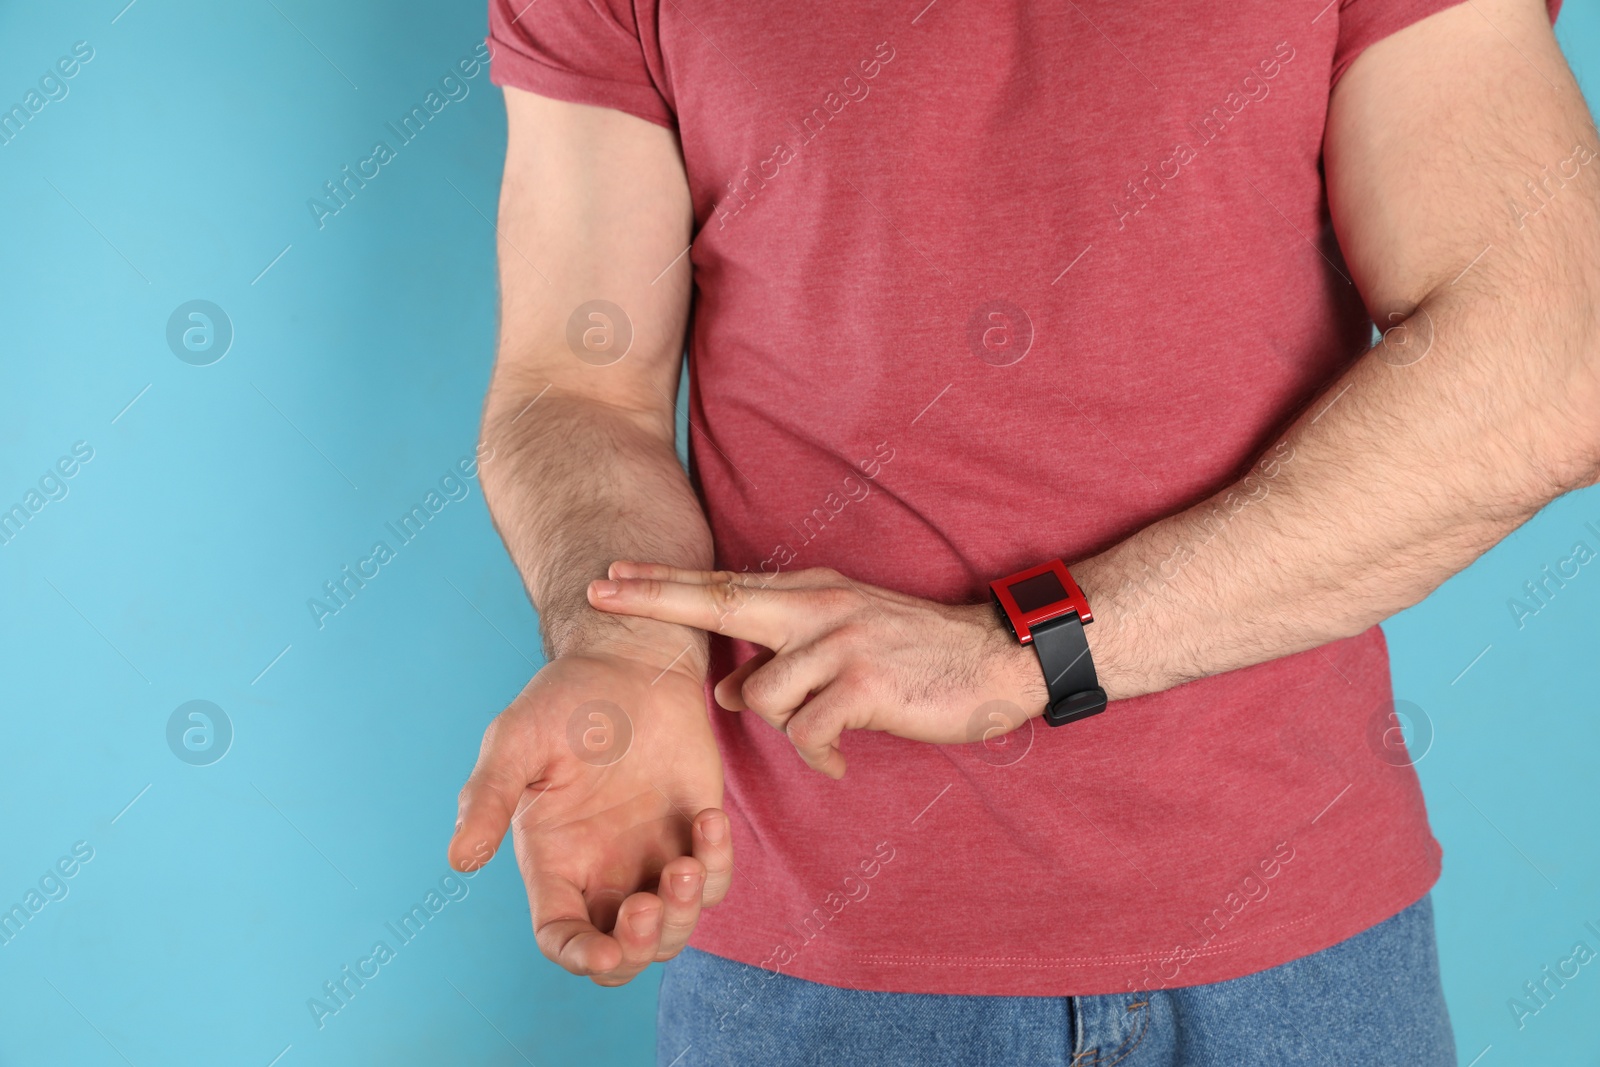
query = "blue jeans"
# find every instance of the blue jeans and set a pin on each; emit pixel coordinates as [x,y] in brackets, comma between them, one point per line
[1373,999]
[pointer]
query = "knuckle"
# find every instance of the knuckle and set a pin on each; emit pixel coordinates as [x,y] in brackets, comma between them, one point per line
[806,732]
[726,596]
[493,778]
[552,945]
[849,636]
[761,690]
[759,699]
[836,600]
[858,678]
[492,737]
[863,689]
[475,785]
[675,927]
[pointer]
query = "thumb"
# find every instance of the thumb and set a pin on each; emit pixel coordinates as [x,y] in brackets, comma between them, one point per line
[486,806]
[729,692]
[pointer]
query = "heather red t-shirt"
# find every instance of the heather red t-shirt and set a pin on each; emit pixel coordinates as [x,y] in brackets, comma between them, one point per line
[978,285]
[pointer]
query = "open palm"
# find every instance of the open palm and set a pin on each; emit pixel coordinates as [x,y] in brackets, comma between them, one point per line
[606,771]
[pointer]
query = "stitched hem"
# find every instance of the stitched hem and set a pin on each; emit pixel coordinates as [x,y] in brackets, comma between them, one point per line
[1105,973]
[897,959]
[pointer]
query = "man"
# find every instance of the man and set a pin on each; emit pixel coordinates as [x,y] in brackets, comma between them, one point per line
[977,289]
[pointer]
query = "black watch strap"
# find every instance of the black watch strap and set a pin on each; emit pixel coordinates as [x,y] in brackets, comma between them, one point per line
[1063,650]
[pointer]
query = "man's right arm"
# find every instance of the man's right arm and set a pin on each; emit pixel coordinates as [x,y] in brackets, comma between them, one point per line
[604,767]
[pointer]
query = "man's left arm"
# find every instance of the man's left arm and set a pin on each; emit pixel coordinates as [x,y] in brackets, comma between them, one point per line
[1464,184]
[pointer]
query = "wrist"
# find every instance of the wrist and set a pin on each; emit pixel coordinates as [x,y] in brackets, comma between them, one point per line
[1044,607]
[1015,668]
[659,645]
[1029,678]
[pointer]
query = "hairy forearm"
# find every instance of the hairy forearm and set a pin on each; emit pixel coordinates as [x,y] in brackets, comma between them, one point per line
[574,483]
[1398,476]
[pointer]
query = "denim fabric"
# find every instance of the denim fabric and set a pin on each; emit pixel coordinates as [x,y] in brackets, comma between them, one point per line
[1373,999]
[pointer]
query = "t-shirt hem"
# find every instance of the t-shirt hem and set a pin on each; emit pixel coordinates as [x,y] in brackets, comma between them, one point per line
[518,70]
[1021,974]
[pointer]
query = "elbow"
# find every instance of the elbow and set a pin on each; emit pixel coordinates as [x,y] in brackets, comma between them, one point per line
[1567,456]
[1568,414]
[1570,443]
[1584,468]
[1583,401]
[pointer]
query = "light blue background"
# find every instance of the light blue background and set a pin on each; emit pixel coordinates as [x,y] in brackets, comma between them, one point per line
[179,565]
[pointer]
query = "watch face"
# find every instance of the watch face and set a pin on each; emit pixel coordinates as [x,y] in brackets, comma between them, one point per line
[1037,592]
[1037,595]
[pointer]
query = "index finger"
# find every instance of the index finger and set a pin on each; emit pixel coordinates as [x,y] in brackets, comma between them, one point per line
[562,927]
[734,607]
[632,568]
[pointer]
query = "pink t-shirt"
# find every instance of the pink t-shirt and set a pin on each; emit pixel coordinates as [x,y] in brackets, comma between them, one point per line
[978,285]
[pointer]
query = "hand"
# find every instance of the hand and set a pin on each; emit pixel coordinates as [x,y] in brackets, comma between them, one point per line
[615,809]
[844,656]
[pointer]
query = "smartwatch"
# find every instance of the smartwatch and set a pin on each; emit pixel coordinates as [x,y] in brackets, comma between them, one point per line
[1044,608]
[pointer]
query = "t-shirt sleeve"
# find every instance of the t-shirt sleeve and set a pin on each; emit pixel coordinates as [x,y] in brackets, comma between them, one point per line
[600,52]
[1366,22]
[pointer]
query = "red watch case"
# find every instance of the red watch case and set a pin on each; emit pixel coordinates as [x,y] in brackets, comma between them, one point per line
[1028,612]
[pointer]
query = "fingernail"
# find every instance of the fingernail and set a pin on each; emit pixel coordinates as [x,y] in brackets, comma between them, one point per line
[643,923]
[685,886]
[713,830]
[604,588]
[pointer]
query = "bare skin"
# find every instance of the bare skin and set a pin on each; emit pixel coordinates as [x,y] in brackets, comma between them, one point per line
[845,655]
[1481,405]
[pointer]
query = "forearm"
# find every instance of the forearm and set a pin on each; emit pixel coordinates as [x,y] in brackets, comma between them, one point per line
[1396,477]
[574,483]
[1464,186]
